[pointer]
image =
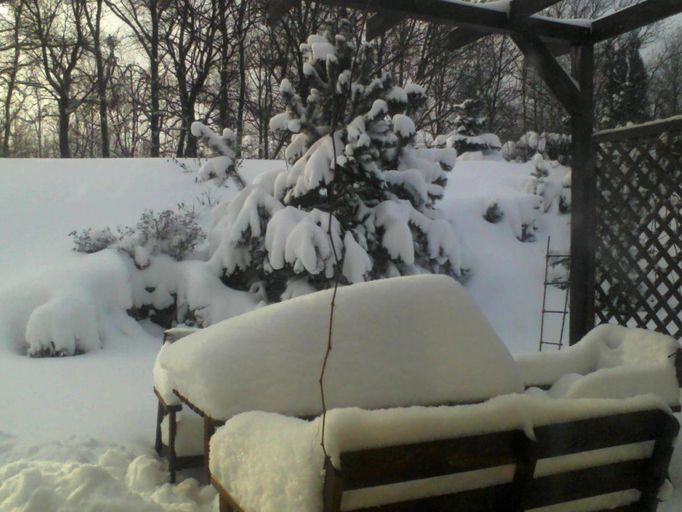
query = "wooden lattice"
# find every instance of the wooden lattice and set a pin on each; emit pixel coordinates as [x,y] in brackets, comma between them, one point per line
[639,230]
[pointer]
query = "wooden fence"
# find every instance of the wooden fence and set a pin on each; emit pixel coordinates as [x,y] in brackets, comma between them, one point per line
[638,226]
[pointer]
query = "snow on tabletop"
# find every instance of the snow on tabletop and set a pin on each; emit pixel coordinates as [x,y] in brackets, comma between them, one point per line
[415,340]
[611,361]
[270,462]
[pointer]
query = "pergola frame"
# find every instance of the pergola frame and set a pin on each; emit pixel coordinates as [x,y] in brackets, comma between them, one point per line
[541,40]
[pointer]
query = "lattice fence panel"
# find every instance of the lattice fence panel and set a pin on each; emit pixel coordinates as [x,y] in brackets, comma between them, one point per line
[639,228]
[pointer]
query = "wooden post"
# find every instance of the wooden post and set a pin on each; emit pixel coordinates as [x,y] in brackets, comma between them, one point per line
[583,197]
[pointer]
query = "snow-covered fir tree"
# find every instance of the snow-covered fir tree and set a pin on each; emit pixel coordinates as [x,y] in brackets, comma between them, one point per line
[224,164]
[357,197]
[467,135]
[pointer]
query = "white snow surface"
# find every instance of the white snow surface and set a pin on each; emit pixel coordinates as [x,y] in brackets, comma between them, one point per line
[270,462]
[61,415]
[396,342]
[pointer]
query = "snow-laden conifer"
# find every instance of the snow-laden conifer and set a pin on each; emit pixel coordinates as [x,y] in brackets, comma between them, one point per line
[468,134]
[357,197]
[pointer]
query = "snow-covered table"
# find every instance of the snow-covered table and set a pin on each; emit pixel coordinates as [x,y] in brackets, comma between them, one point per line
[406,341]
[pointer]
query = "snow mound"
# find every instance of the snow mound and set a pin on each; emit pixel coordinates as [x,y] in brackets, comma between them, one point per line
[396,342]
[611,361]
[93,477]
[271,463]
[69,310]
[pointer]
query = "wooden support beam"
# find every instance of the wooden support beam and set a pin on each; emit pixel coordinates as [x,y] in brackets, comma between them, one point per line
[518,12]
[583,198]
[524,8]
[560,82]
[633,17]
[461,37]
[279,8]
[378,24]
[467,15]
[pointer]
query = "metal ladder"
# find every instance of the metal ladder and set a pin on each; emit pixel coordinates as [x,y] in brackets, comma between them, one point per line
[549,258]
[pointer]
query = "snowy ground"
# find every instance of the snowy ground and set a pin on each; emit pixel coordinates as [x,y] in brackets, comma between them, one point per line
[79,431]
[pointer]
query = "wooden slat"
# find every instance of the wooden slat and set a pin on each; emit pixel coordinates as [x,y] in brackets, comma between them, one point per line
[633,17]
[378,24]
[478,500]
[671,124]
[553,74]
[596,433]
[585,483]
[382,466]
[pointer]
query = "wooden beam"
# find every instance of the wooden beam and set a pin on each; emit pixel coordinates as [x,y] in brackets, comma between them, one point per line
[378,24]
[524,8]
[560,82]
[279,8]
[583,198]
[633,17]
[519,10]
[461,37]
[467,15]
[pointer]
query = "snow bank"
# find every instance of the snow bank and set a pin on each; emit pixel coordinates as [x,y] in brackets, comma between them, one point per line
[611,362]
[270,463]
[402,341]
[77,306]
[94,477]
[70,309]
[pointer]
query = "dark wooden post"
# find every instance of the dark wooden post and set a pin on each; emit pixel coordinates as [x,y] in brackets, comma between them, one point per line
[583,191]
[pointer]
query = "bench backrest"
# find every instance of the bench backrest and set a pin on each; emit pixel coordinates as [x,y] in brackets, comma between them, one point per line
[532,480]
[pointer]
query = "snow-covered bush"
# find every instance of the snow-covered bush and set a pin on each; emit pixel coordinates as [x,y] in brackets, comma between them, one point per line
[224,165]
[552,146]
[173,233]
[91,240]
[357,196]
[467,135]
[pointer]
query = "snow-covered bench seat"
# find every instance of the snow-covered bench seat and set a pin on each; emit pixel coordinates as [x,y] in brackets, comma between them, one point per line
[508,454]
[416,340]
[609,362]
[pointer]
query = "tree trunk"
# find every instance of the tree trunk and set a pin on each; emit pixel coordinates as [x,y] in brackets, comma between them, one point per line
[64,114]
[155,118]
[11,81]
[242,78]
[101,78]
[223,107]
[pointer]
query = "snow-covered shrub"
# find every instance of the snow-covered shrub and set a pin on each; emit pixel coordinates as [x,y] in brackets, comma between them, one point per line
[173,233]
[467,135]
[552,146]
[493,213]
[224,165]
[357,196]
[91,240]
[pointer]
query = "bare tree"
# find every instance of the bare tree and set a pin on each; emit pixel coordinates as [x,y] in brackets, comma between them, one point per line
[58,29]
[11,68]
[189,32]
[143,17]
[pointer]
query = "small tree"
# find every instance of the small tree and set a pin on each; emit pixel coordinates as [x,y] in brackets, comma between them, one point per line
[467,135]
[356,197]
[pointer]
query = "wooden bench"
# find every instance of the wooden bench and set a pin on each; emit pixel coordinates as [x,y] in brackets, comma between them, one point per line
[532,483]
